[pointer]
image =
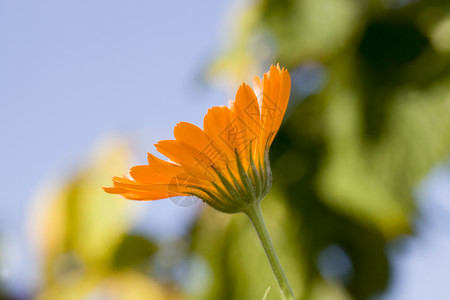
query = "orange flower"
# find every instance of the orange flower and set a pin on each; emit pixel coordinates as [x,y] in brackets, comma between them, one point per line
[226,164]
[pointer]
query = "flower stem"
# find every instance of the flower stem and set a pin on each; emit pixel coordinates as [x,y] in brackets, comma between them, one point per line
[255,216]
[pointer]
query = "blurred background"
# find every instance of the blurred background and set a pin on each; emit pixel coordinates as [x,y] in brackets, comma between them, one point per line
[360,204]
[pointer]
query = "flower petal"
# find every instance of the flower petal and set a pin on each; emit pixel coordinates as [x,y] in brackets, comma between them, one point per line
[224,162]
[248,115]
[217,125]
[193,161]
[196,138]
[178,186]
[276,89]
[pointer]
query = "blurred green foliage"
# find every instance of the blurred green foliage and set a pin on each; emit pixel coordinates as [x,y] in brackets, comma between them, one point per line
[369,118]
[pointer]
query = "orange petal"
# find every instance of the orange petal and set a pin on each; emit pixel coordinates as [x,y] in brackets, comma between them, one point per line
[137,195]
[196,138]
[257,86]
[218,125]
[147,174]
[280,92]
[178,186]
[276,90]
[248,116]
[163,167]
[191,135]
[193,161]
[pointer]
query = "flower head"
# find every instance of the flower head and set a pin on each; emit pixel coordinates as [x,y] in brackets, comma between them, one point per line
[226,164]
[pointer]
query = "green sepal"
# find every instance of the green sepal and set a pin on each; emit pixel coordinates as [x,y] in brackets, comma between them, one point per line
[242,190]
[244,177]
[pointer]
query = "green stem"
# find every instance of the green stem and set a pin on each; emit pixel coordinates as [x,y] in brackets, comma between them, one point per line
[255,216]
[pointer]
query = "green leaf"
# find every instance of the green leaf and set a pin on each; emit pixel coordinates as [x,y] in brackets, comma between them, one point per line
[133,251]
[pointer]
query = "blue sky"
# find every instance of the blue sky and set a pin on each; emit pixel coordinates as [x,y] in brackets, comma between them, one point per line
[72,72]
